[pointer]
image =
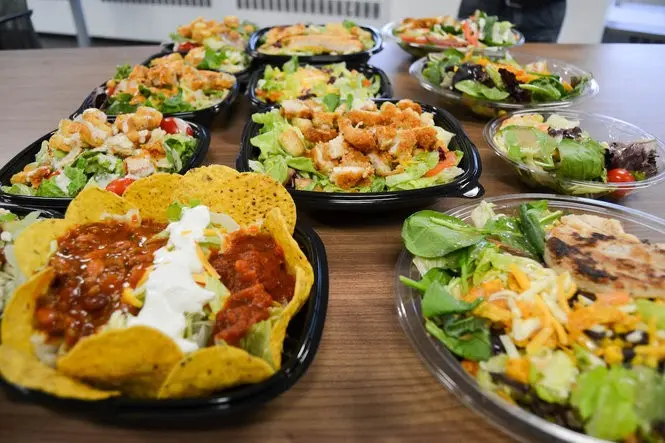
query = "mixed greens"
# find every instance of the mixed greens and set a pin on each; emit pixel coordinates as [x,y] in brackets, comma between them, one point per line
[169,85]
[499,78]
[218,46]
[330,82]
[591,362]
[479,30]
[560,147]
[90,151]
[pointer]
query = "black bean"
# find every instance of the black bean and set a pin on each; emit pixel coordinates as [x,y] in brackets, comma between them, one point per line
[497,346]
[594,335]
[628,354]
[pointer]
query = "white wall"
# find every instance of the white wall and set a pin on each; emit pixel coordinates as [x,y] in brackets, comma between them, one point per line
[584,20]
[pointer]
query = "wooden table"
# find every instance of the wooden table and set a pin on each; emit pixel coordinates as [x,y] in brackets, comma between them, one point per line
[366,383]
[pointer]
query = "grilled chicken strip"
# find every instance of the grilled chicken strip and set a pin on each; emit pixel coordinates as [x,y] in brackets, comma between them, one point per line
[603,258]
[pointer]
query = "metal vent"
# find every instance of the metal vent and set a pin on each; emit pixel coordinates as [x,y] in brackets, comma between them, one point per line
[199,3]
[345,8]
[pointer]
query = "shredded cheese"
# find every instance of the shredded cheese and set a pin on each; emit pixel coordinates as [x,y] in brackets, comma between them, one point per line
[129,298]
[539,340]
[520,277]
[560,294]
[206,264]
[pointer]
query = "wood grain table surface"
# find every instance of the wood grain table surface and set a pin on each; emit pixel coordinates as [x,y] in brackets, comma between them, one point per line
[366,382]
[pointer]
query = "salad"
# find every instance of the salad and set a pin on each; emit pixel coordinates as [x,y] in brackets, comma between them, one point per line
[300,39]
[350,145]
[560,147]
[561,315]
[296,81]
[169,85]
[91,151]
[11,277]
[479,30]
[499,78]
[214,45]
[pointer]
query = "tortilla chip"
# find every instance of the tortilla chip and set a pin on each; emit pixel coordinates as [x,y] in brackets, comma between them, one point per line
[17,321]
[33,245]
[205,175]
[92,204]
[24,370]
[212,369]
[297,265]
[246,197]
[153,194]
[103,359]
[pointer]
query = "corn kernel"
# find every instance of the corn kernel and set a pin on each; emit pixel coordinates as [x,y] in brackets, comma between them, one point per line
[613,355]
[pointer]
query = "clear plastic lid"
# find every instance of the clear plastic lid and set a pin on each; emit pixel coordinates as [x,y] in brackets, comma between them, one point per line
[494,108]
[600,127]
[446,368]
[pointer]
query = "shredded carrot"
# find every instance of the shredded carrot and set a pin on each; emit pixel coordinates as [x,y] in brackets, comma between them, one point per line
[566,86]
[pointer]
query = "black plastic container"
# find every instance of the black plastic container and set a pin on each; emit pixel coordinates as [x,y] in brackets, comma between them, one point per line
[369,71]
[27,155]
[303,338]
[98,99]
[242,76]
[271,59]
[466,185]
[23,210]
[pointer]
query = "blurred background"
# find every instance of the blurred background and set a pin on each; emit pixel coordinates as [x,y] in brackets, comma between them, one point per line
[71,23]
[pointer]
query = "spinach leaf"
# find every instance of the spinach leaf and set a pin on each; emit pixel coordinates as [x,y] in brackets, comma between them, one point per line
[544,89]
[431,234]
[434,274]
[459,326]
[438,301]
[473,346]
[478,90]
[581,160]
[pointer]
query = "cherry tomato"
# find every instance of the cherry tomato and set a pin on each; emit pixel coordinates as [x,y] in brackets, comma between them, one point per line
[110,91]
[186,46]
[119,185]
[174,125]
[620,175]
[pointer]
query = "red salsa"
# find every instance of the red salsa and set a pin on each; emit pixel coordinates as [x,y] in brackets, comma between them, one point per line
[93,264]
[253,268]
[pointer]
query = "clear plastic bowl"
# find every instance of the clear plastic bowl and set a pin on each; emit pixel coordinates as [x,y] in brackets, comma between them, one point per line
[446,368]
[420,50]
[488,108]
[600,127]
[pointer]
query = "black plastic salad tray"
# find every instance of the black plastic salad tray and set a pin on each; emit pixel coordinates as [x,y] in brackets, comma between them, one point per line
[273,59]
[27,155]
[241,77]
[204,117]
[302,341]
[23,210]
[466,185]
[369,71]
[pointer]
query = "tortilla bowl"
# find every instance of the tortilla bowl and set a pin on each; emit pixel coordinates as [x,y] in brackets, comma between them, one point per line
[137,364]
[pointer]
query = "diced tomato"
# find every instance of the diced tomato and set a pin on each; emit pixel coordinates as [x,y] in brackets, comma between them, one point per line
[419,39]
[449,161]
[119,185]
[174,125]
[186,46]
[110,91]
[620,175]
[469,34]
